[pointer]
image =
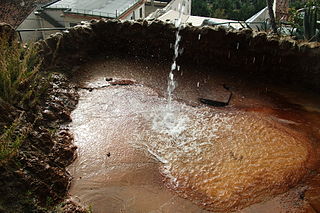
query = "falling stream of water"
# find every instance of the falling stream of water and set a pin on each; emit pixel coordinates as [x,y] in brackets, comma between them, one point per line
[171,82]
[170,120]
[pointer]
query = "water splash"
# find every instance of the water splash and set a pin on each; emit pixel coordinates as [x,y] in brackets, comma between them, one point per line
[169,120]
[171,123]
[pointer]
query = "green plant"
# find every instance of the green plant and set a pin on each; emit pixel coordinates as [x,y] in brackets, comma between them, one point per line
[310,22]
[10,141]
[239,10]
[49,201]
[303,17]
[19,65]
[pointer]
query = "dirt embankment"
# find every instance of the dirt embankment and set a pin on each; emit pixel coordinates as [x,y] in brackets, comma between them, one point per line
[34,176]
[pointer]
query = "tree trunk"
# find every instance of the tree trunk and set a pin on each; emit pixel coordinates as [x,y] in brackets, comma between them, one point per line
[271,14]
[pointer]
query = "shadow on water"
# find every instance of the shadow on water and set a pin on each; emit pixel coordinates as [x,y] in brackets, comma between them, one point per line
[260,150]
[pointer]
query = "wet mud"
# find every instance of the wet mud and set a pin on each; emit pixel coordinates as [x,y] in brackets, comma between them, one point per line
[259,154]
[35,179]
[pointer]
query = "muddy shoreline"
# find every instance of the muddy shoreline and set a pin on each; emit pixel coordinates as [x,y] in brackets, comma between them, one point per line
[36,178]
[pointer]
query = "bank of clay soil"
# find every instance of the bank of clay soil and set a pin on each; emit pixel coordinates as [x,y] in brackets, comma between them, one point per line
[35,179]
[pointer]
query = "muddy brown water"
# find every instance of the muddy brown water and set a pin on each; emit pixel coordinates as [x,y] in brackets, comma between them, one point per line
[260,154]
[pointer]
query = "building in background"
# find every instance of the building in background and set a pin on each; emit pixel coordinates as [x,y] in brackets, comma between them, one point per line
[68,13]
[151,6]
[172,6]
[62,14]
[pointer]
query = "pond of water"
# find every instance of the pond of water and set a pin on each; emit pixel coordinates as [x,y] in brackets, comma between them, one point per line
[257,155]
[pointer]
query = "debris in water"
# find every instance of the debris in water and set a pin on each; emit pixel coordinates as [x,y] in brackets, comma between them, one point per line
[215,103]
[122,82]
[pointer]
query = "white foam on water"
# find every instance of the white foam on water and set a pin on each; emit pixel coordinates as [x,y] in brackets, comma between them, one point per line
[167,134]
[170,121]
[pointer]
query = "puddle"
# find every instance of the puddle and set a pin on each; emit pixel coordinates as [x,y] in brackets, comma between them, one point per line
[218,159]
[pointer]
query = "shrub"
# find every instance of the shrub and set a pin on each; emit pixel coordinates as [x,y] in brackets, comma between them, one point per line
[10,140]
[19,65]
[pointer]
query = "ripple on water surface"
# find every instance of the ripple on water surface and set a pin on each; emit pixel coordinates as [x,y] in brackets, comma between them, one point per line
[224,160]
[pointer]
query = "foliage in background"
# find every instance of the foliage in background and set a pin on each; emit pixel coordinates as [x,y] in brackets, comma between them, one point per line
[239,10]
[18,67]
[297,4]
[310,23]
[200,8]
[303,17]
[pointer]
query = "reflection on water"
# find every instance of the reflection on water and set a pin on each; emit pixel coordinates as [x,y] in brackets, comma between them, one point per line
[217,159]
